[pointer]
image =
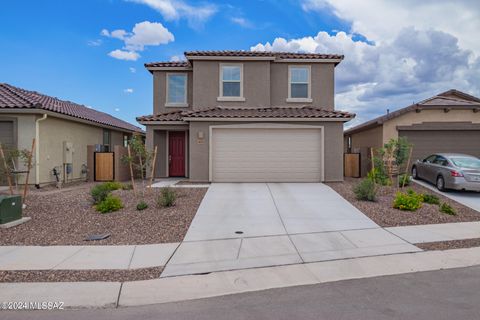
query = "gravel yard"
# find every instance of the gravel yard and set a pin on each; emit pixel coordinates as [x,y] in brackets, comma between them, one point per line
[67,216]
[455,244]
[385,215]
[80,275]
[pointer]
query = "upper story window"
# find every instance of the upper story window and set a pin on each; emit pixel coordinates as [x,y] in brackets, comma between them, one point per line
[299,84]
[176,90]
[231,82]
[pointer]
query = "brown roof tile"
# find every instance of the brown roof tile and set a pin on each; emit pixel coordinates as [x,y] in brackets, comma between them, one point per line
[170,64]
[16,98]
[273,54]
[236,112]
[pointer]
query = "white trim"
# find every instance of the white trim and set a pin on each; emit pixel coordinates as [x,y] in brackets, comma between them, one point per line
[176,104]
[289,97]
[221,97]
[270,119]
[169,68]
[228,58]
[309,60]
[265,126]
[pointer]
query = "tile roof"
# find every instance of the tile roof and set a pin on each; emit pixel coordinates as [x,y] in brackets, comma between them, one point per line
[170,64]
[448,99]
[273,54]
[16,98]
[243,112]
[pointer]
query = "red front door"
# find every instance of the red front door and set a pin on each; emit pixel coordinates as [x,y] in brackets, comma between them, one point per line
[176,154]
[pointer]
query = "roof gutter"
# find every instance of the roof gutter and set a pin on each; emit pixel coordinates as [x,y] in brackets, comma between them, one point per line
[37,149]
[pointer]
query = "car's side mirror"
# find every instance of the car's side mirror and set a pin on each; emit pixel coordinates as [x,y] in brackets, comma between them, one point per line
[424,160]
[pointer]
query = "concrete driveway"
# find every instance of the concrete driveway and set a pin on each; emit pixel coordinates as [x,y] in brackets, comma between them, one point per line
[467,198]
[245,225]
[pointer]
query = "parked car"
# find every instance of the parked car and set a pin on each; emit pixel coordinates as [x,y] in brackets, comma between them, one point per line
[449,171]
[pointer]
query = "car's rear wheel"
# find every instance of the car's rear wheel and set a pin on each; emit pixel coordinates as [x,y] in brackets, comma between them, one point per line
[440,183]
[414,173]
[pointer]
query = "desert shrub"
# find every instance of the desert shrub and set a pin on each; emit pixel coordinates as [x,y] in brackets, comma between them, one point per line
[379,174]
[167,197]
[431,199]
[403,180]
[408,201]
[447,209]
[101,191]
[365,190]
[142,205]
[109,204]
[113,185]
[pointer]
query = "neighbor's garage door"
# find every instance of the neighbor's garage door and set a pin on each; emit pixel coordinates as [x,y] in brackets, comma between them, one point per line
[266,155]
[7,140]
[426,142]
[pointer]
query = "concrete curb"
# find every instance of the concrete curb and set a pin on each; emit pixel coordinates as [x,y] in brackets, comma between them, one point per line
[112,294]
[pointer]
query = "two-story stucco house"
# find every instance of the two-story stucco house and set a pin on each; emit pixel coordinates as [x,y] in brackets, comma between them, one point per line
[239,116]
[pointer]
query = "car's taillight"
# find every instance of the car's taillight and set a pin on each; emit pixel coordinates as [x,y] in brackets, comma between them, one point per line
[454,173]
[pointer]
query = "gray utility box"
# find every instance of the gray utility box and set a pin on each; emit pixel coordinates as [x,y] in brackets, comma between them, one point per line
[10,208]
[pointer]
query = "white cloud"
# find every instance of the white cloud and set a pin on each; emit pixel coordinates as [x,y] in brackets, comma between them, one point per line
[94,43]
[132,69]
[242,22]
[143,34]
[128,90]
[380,20]
[117,109]
[412,66]
[176,9]
[177,58]
[124,55]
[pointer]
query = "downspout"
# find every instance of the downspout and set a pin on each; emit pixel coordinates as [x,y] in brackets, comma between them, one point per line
[37,150]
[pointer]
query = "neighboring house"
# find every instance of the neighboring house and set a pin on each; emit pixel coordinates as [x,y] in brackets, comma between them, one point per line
[239,116]
[447,122]
[56,125]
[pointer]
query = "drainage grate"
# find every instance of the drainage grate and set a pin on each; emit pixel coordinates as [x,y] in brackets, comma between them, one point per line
[239,232]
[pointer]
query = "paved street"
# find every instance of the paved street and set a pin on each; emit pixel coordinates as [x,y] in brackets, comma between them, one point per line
[446,294]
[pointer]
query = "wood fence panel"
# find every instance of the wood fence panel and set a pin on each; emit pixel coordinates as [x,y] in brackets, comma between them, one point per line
[104,166]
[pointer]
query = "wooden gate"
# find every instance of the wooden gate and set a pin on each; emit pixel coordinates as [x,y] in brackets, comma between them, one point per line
[104,166]
[352,165]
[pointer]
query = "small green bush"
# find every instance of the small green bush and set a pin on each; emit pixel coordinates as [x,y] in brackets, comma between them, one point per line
[403,180]
[167,197]
[379,176]
[431,199]
[109,204]
[101,191]
[408,201]
[142,205]
[365,190]
[127,186]
[447,209]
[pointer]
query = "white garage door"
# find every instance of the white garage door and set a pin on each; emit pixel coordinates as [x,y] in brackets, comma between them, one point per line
[266,155]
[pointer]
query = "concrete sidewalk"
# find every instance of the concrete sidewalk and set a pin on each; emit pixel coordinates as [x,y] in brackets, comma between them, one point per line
[85,257]
[113,294]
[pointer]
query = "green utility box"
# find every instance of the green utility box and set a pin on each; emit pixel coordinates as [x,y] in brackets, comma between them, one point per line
[10,208]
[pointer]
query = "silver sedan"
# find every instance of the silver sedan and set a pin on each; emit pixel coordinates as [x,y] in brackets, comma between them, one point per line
[449,171]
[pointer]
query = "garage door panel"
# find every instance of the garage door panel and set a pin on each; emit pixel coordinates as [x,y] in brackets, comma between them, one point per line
[259,155]
[427,142]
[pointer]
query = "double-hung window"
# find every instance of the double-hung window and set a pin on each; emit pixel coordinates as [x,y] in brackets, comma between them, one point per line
[299,84]
[231,82]
[176,90]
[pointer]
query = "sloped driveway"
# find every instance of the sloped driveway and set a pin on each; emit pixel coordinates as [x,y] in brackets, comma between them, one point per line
[245,225]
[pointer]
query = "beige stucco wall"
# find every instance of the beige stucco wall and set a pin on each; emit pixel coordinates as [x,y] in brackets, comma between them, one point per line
[160,91]
[206,84]
[333,148]
[322,91]
[407,119]
[367,138]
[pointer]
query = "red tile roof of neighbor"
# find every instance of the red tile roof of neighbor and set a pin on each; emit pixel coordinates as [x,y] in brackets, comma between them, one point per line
[241,54]
[16,98]
[448,99]
[243,112]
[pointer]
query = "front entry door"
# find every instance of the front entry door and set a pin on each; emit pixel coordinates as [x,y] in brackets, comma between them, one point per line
[176,154]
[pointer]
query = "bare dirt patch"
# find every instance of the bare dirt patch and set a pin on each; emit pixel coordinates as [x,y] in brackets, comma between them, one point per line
[385,215]
[454,244]
[80,275]
[68,216]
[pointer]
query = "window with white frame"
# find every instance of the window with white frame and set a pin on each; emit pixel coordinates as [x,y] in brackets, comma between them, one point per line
[176,89]
[231,81]
[299,83]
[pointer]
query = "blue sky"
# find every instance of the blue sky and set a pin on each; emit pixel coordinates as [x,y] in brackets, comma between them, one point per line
[58,47]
